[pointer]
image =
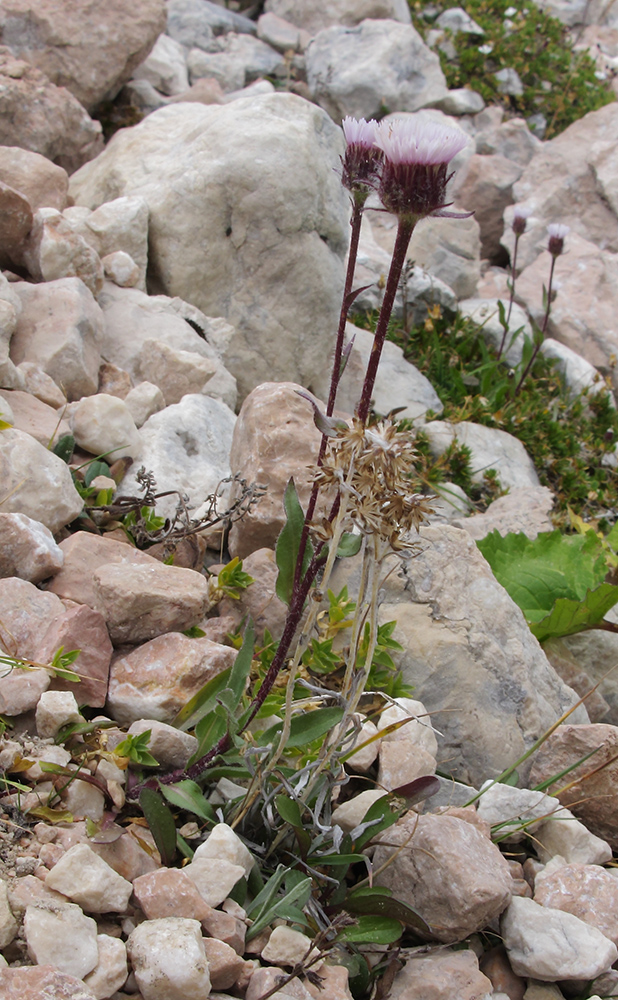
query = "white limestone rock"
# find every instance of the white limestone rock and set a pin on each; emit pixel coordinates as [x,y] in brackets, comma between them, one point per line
[214,878]
[120,268]
[187,446]
[120,224]
[27,549]
[419,731]
[565,836]
[314,15]
[111,971]
[143,400]
[518,810]
[177,373]
[288,947]
[359,70]
[35,482]
[8,923]
[54,710]
[240,194]
[235,61]
[223,844]
[552,945]
[103,425]
[60,934]
[169,746]
[168,959]
[89,881]
[579,375]
[490,449]
[165,67]
[351,813]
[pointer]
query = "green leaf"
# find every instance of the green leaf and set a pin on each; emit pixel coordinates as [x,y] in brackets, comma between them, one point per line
[289,810]
[349,545]
[568,617]
[381,811]
[368,901]
[556,579]
[64,447]
[96,469]
[372,930]
[189,796]
[305,728]
[135,748]
[209,731]
[242,665]
[195,632]
[288,544]
[202,703]
[161,824]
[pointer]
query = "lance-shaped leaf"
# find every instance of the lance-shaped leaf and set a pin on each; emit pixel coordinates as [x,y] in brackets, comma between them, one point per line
[161,823]
[326,425]
[288,544]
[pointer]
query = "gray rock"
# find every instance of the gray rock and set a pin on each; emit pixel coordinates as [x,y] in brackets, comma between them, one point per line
[470,655]
[189,16]
[27,549]
[509,82]
[260,232]
[187,446]
[398,383]
[165,68]
[485,186]
[314,15]
[188,22]
[511,139]
[237,61]
[281,34]
[490,449]
[485,313]
[361,70]
[457,19]
[525,509]
[461,101]
[578,374]
[36,482]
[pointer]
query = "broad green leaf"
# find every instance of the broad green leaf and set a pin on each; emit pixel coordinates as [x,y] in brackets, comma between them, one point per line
[189,796]
[209,731]
[305,728]
[289,810]
[568,616]
[361,902]
[372,930]
[202,703]
[349,545]
[418,790]
[96,469]
[51,815]
[336,860]
[557,580]
[288,544]
[64,447]
[161,823]
[381,811]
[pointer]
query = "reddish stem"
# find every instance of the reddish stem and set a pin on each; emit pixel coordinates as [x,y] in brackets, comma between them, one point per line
[402,242]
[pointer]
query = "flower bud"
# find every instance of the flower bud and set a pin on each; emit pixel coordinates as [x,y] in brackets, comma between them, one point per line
[557,234]
[520,217]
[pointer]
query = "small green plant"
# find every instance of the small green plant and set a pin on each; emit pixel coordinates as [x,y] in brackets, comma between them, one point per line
[560,83]
[59,666]
[135,749]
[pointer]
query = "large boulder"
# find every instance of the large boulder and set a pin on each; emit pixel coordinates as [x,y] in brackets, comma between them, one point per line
[248,221]
[57,38]
[376,64]
[469,653]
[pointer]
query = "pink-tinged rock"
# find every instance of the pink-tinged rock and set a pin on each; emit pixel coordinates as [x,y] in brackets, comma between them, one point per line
[39,180]
[175,372]
[103,424]
[402,761]
[583,314]
[15,224]
[130,855]
[484,186]
[157,679]
[228,925]
[169,746]
[495,965]
[36,482]
[259,601]
[24,612]
[265,979]
[214,878]
[29,889]
[61,934]
[449,873]
[41,385]
[274,439]
[587,891]
[89,881]
[142,602]
[57,38]
[43,118]
[83,554]
[60,328]
[42,982]
[593,799]
[442,976]
[27,549]
[224,964]
[334,981]
[54,250]
[41,421]
[79,627]
[111,972]
[169,893]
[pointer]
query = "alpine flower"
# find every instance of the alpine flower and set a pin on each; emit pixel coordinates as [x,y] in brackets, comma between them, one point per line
[557,234]
[362,158]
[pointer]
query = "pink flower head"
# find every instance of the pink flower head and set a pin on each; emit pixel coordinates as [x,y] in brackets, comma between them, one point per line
[557,234]
[416,157]
[362,158]
[520,217]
